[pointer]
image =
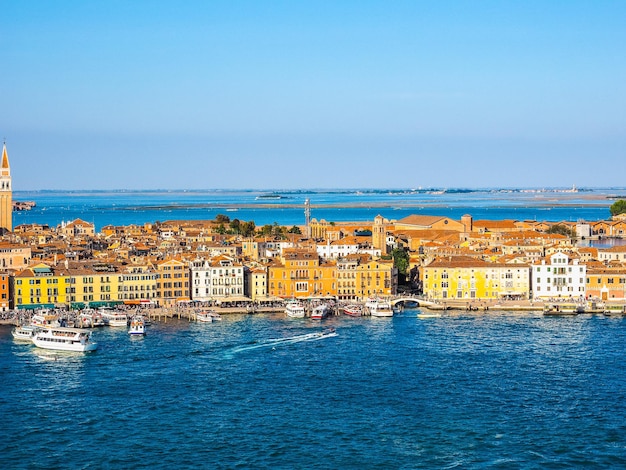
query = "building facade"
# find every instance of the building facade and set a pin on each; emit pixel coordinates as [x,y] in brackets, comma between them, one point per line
[559,276]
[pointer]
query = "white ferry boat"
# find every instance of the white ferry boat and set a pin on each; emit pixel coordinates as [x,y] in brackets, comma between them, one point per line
[294,309]
[137,326]
[64,339]
[320,312]
[113,317]
[24,333]
[208,316]
[381,308]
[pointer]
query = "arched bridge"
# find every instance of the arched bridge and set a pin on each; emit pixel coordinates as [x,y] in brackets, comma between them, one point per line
[412,301]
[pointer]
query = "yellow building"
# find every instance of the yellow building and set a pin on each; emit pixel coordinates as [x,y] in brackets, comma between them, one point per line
[172,281]
[299,273]
[93,288]
[6,192]
[606,283]
[256,283]
[463,278]
[137,285]
[42,286]
[376,278]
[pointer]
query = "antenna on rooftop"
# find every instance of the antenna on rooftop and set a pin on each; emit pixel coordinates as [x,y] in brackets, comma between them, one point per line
[307,217]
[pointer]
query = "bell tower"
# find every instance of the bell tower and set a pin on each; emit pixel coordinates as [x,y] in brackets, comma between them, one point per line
[379,234]
[6,192]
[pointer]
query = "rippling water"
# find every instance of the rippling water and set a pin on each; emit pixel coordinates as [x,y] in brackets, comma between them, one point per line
[457,391]
[139,207]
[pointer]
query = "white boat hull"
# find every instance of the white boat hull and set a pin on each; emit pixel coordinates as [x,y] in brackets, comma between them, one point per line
[64,339]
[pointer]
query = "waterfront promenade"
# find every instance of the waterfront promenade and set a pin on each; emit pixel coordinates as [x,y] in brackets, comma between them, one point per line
[452,306]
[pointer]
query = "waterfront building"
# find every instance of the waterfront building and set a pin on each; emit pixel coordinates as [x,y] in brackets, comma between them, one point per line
[609,228]
[172,281]
[92,287]
[218,278]
[558,276]
[227,278]
[465,278]
[5,292]
[200,279]
[6,192]
[14,256]
[42,286]
[255,285]
[346,278]
[376,278]
[299,272]
[137,285]
[606,282]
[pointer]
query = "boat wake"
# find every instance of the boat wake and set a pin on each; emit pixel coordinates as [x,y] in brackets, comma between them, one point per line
[277,342]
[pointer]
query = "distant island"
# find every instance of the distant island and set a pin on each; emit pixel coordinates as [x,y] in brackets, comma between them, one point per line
[272,196]
[23,205]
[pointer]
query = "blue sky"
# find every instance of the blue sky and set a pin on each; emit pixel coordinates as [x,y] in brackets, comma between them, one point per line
[348,94]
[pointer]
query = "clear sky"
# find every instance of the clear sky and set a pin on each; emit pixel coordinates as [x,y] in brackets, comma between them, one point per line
[319,94]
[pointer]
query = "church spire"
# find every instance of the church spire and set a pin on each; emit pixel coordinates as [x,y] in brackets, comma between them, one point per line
[5,156]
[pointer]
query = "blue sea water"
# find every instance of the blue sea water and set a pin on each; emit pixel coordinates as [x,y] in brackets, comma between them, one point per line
[464,390]
[139,207]
[458,391]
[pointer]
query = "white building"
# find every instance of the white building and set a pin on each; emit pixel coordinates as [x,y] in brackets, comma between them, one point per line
[347,246]
[558,276]
[219,278]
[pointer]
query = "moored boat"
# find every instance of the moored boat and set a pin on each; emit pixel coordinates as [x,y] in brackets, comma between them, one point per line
[381,308]
[113,317]
[45,319]
[353,310]
[294,309]
[24,333]
[320,312]
[64,339]
[208,316]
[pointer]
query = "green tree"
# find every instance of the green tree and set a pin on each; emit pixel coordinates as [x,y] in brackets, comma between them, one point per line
[222,219]
[235,226]
[562,230]
[248,229]
[400,260]
[618,207]
[221,229]
[295,229]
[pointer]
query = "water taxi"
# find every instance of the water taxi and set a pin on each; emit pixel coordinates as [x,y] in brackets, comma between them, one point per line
[137,326]
[64,339]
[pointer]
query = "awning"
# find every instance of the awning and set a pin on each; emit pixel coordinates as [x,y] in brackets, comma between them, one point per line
[34,306]
[138,302]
